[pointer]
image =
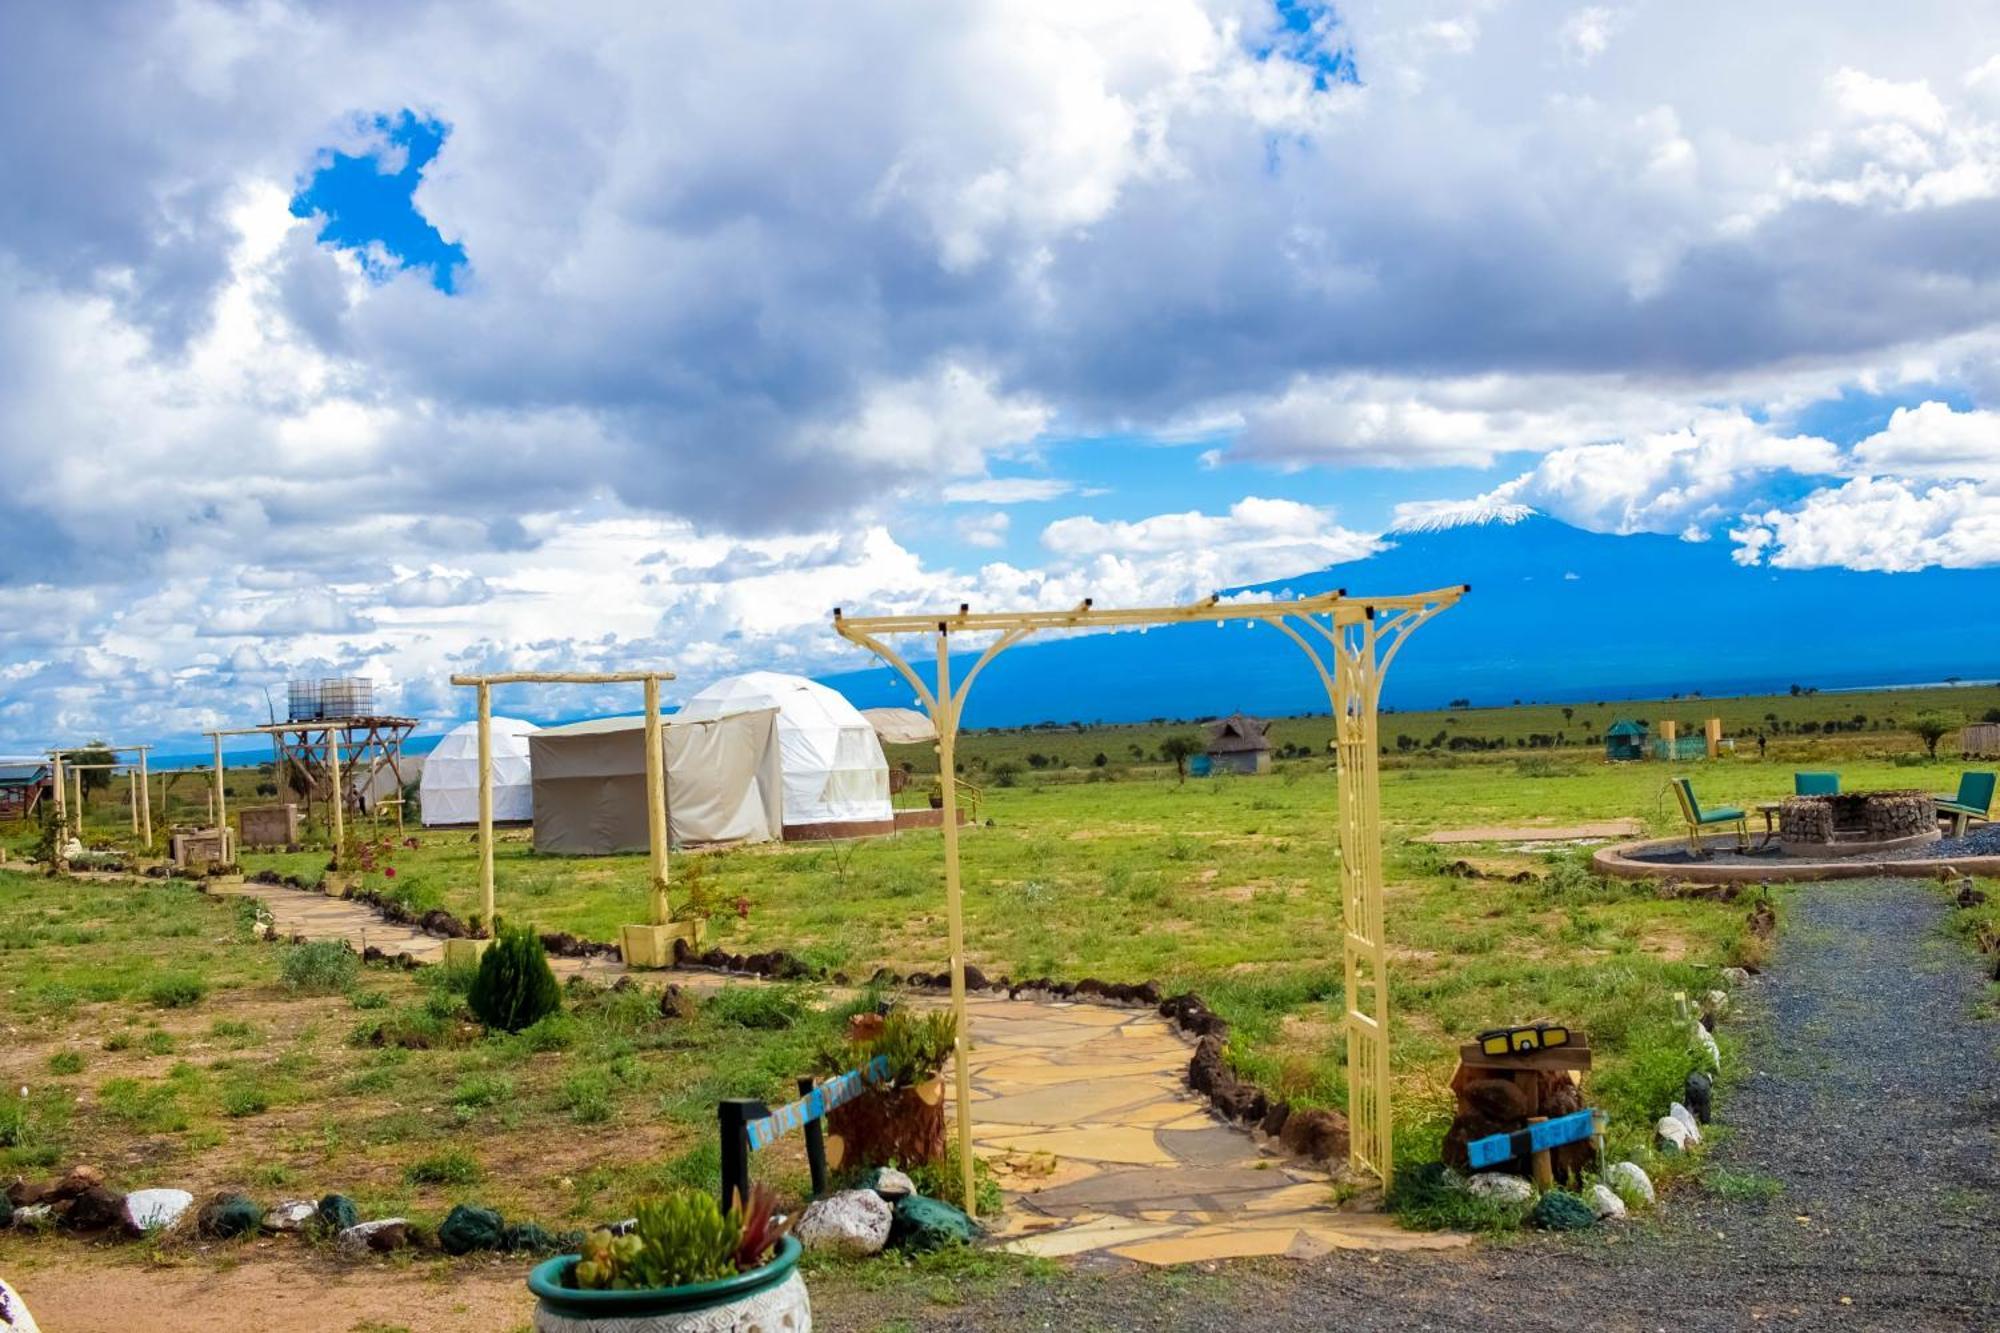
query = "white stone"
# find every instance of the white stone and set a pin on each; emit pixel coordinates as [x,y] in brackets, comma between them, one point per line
[1673,1134]
[1717,1002]
[354,1240]
[1631,1182]
[35,1215]
[1735,976]
[155,1210]
[1604,1201]
[1499,1187]
[1688,1122]
[854,1223]
[892,1184]
[14,1316]
[291,1215]
[1704,1040]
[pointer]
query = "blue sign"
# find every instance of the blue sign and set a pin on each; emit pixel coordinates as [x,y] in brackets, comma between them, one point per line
[834,1092]
[1564,1129]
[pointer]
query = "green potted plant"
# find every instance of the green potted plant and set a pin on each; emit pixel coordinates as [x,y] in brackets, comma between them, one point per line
[685,1266]
[899,1121]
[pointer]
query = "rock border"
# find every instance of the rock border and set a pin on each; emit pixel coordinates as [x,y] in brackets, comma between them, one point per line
[1617,860]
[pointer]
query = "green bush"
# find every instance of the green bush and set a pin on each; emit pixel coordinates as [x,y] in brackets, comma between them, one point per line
[774,1007]
[319,967]
[66,1062]
[515,988]
[454,1166]
[177,990]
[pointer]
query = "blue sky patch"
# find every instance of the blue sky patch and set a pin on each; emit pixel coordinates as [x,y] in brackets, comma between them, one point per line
[367,200]
[1308,36]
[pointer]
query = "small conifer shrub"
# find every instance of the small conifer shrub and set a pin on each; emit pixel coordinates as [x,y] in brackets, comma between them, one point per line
[515,988]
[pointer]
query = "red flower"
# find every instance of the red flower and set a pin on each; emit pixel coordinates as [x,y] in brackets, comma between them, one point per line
[743,908]
[390,871]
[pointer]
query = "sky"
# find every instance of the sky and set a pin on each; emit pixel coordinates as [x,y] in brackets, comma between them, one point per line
[398,340]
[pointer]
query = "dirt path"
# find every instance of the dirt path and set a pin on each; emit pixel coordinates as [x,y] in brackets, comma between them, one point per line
[1861,1153]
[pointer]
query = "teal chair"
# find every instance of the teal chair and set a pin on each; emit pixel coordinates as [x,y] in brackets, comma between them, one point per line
[1699,819]
[1815,784]
[1974,801]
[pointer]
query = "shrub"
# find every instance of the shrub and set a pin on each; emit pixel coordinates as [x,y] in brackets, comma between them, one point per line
[66,1062]
[769,1007]
[319,967]
[454,1166]
[242,1099]
[177,990]
[587,1096]
[515,988]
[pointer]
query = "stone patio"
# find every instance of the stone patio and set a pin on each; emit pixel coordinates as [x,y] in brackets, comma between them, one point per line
[1082,1110]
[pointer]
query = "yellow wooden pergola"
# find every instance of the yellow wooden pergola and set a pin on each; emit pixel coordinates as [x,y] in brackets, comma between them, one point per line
[1362,636]
[649,945]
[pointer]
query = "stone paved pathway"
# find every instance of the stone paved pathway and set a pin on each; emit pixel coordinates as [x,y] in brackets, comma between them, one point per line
[1082,1110]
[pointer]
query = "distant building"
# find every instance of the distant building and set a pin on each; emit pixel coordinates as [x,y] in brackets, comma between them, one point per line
[1625,739]
[23,785]
[1237,744]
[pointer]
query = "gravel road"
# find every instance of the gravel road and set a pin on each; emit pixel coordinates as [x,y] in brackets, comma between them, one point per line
[1861,1148]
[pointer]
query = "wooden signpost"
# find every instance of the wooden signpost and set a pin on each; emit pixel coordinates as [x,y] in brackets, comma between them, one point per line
[748,1125]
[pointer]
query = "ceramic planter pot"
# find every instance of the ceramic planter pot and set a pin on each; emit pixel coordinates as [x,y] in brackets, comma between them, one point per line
[771,1299]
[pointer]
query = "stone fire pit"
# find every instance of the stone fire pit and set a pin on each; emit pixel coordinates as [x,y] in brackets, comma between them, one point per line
[1855,823]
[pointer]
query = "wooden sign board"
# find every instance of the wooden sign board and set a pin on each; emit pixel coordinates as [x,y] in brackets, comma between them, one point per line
[1564,1129]
[834,1092]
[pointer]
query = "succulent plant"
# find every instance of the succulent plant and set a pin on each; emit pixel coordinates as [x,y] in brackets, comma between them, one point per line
[681,1239]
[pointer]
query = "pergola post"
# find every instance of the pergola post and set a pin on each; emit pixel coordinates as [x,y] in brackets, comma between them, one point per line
[221,805]
[62,801]
[485,696]
[659,911]
[132,797]
[954,910]
[336,796]
[1363,636]
[145,802]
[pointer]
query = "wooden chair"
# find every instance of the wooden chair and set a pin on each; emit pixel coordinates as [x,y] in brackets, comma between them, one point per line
[1699,819]
[1973,801]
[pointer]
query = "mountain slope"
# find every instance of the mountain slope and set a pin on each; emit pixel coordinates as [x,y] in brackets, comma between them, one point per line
[1555,613]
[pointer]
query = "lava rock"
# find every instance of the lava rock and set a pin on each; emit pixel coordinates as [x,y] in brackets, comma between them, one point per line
[469,1227]
[923,1224]
[1699,1094]
[6,1213]
[291,1215]
[79,1180]
[338,1213]
[1275,1117]
[1318,1134]
[852,1223]
[1559,1210]
[96,1209]
[1499,1187]
[381,1236]
[1604,1201]
[23,1195]
[228,1215]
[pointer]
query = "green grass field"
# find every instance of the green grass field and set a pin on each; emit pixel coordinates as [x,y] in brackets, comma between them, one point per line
[1228,886]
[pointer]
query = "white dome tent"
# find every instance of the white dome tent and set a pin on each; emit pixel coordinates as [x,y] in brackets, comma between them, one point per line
[450,786]
[836,777]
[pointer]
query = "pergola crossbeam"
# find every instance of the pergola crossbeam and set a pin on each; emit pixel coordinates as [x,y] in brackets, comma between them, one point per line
[1363,635]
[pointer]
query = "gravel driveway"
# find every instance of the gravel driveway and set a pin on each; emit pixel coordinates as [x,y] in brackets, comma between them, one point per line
[1862,1151]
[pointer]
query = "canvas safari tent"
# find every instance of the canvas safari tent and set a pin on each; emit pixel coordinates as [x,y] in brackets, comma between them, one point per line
[724,782]
[449,791]
[836,777]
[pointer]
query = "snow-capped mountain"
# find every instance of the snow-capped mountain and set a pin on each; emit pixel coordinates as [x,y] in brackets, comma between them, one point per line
[1555,613]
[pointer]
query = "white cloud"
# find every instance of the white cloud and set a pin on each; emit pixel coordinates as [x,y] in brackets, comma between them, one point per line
[988,530]
[1172,557]
[1880,524]
[1933,440]
[1007,490]
[1584,35]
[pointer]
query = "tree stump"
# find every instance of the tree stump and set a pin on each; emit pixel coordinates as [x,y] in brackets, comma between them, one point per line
[888,1127]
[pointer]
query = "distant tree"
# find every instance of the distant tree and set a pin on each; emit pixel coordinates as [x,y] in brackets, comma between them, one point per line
[1933,725]
[94,779]
[1180,748]
[1101,760]
[1459,703]
[1569,714]
[1992,715]
[1797,691]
